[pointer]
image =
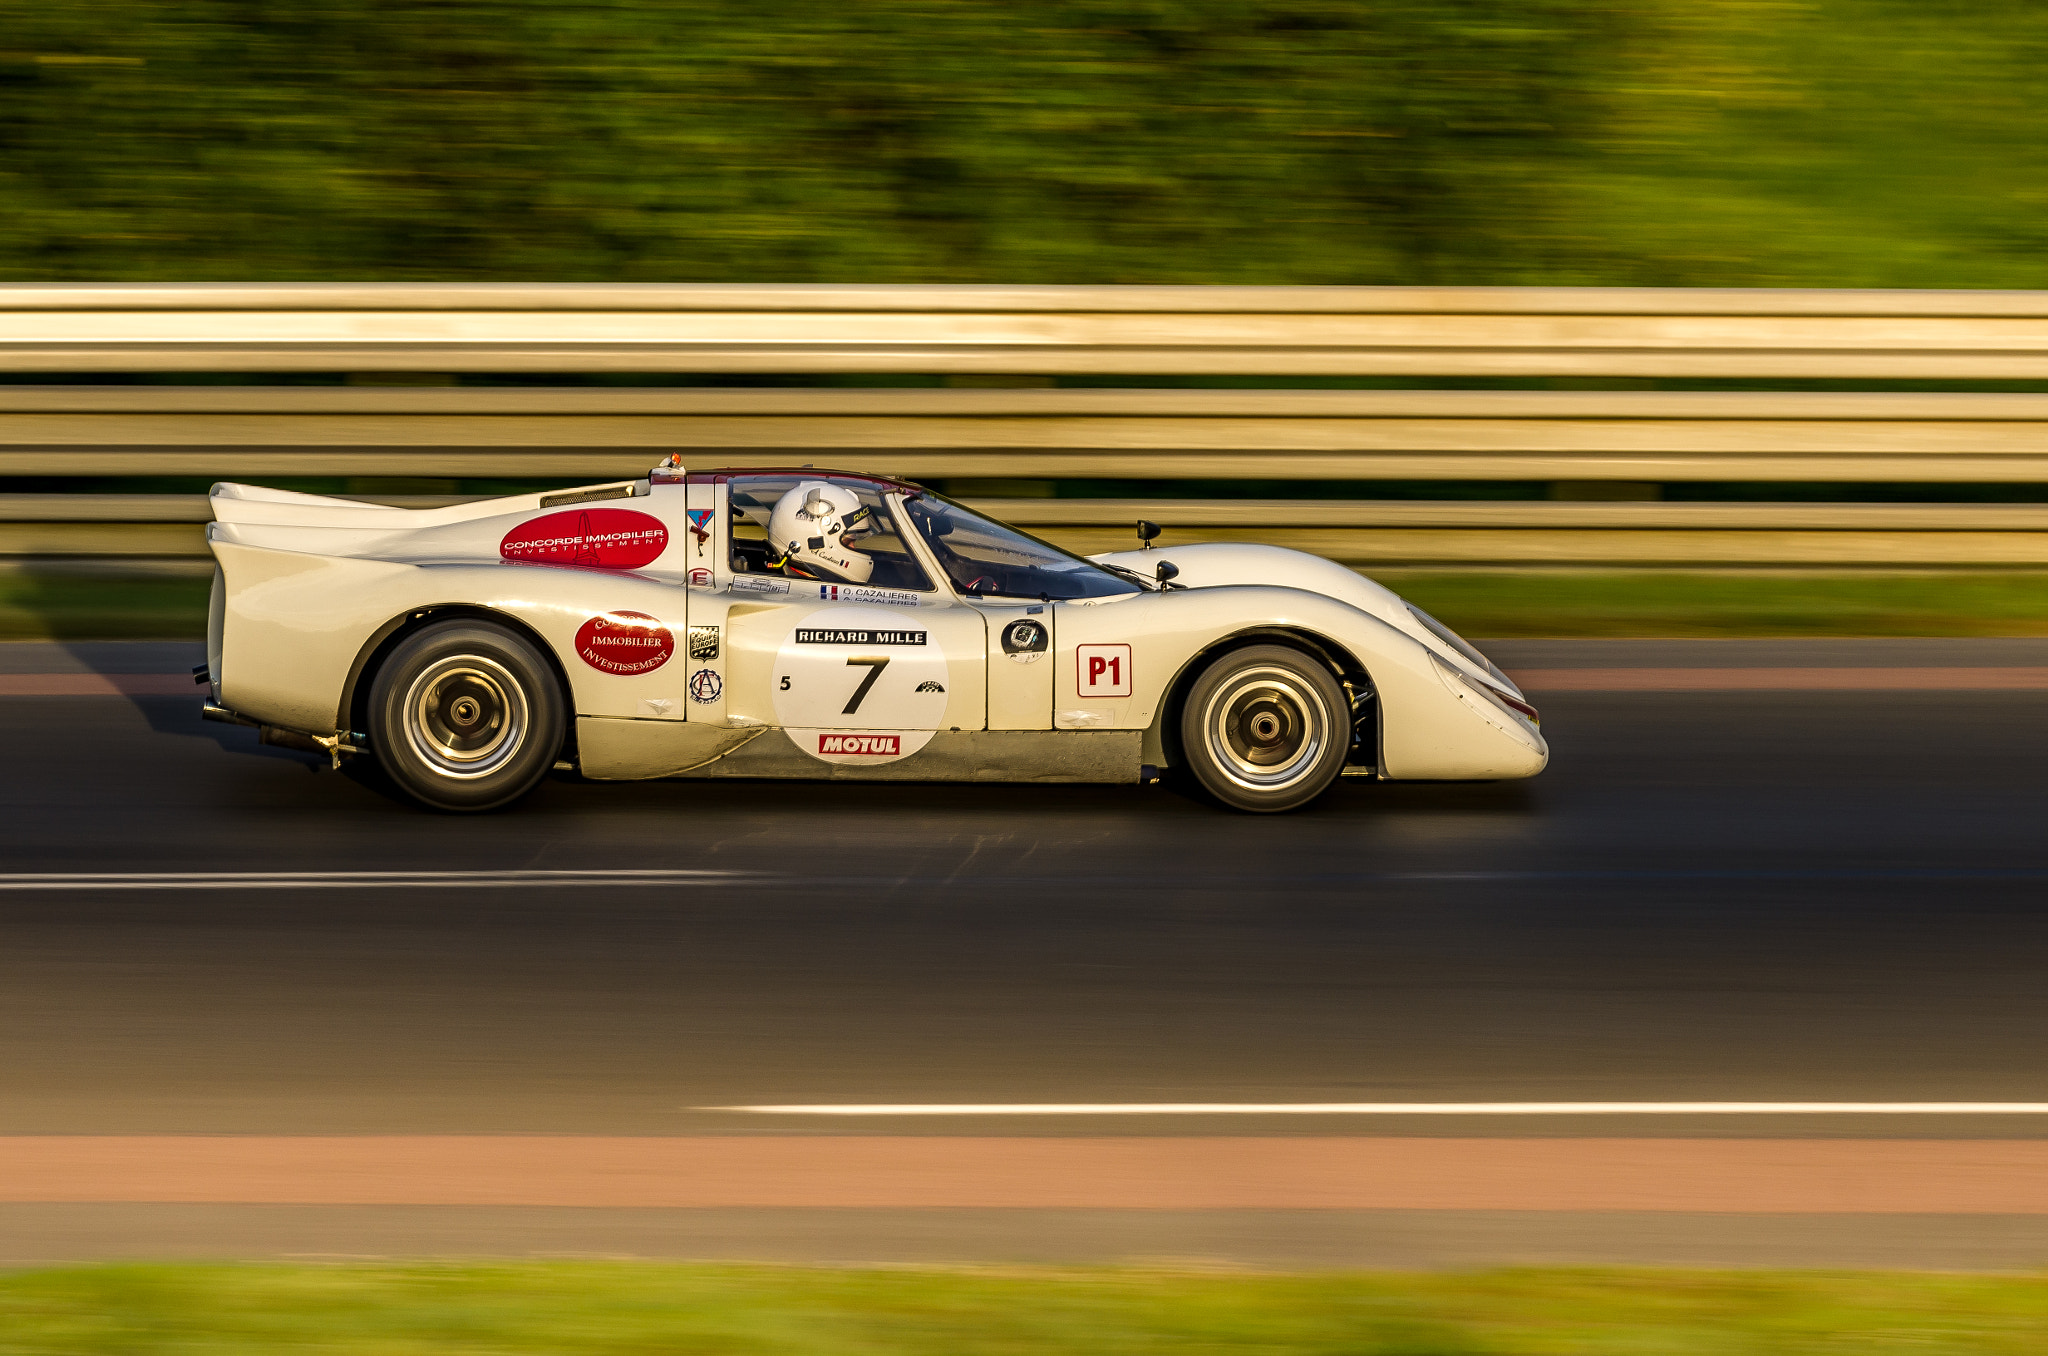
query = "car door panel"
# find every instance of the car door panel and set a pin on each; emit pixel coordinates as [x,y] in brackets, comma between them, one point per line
[1020,666]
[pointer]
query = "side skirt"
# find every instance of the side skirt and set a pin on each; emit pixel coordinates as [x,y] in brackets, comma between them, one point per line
[1111,757]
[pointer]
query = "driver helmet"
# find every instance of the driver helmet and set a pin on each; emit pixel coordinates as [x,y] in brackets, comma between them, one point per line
[813,529]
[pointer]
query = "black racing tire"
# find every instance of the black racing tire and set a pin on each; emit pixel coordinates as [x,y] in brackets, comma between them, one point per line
[466,715]
[1265,728]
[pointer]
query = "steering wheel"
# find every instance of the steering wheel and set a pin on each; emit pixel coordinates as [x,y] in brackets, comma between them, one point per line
[980,585]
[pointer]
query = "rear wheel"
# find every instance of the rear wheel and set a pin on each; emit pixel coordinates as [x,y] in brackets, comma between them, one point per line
[1265,728]
[466,715]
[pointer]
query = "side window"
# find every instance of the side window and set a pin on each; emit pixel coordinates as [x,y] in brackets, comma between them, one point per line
[985,558]
[865,547]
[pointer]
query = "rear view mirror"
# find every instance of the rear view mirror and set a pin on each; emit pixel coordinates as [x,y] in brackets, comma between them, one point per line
[1167,571]
[1146,532]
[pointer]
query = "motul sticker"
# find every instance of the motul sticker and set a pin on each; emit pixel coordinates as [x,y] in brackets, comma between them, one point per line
[880,745]
[625,642]
[610,539]
[859,748]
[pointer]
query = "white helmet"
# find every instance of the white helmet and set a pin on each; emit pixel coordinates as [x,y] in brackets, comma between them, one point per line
[814,527]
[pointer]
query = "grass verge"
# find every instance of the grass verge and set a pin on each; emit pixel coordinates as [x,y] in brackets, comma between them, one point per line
[1496,603]
[93,607]
[573,1308]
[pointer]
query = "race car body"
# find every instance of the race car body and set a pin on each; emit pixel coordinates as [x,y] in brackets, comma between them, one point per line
[813,624]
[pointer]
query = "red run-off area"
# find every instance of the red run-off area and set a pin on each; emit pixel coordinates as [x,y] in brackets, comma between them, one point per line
[1281,1172]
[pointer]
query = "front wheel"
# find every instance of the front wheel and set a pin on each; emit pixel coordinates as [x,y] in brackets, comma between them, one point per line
[466,715]
[1265,728]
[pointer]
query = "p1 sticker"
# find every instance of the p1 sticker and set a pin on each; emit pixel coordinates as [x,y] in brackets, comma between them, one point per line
[706,685]
[1103,670]
[625,643]
[609,539]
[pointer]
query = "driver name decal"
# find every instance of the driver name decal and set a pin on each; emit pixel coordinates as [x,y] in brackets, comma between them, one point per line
[625,643]
[607,539]
[860,593]
[816,635]
[887,745]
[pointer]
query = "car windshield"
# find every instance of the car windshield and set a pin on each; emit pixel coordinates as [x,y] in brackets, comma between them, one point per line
[985,558]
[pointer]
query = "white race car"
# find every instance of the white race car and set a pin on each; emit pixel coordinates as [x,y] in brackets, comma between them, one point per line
[826,626]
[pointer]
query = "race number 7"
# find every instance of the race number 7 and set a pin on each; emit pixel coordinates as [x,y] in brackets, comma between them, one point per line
[874,665]
[1103,670]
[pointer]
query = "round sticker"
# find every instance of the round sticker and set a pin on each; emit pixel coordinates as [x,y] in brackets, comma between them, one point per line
[1024,641]
[610,539]
[625,642]
[860,685]
[705,685]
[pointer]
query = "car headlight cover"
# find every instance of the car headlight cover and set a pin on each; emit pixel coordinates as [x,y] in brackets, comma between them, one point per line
[1461,645]
[1513,708]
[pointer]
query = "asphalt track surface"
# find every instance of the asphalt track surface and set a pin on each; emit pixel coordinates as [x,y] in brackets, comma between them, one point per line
[1747,895]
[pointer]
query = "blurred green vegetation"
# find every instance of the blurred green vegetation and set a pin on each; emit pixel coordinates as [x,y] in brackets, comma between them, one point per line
[40,606]
[1817,142]
[714,140]
[611,1309]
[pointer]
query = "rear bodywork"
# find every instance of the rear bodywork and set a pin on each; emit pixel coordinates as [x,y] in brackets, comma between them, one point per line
[677,662]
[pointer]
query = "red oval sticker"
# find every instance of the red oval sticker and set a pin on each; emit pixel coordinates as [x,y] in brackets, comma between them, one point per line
[611,539]
[625,642]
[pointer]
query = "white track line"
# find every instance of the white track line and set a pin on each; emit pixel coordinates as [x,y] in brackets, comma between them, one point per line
[1399,1109]
[350,880]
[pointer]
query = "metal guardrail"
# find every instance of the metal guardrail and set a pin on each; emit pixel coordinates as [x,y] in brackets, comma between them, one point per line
[1044,433]
[1051,330]
[1062,434]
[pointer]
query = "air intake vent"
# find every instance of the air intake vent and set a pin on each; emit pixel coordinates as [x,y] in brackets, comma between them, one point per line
[624,491]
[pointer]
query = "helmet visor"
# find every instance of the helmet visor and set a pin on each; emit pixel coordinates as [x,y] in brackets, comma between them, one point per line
[859,523]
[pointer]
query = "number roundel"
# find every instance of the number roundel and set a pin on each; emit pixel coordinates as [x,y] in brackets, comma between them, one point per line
[860,685]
